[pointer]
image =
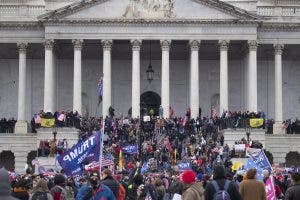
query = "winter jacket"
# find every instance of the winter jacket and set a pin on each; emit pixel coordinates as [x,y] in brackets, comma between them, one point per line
[112,184]
[293,192]
[20,193]
[103,193]
[252,189]
[194,192]
[232,190]
[83,190]
[5,188]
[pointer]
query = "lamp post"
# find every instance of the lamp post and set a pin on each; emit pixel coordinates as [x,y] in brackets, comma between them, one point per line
[150,71]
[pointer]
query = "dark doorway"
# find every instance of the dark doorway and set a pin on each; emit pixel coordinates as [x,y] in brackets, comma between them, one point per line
[150,102]
[30,157]
[7,160]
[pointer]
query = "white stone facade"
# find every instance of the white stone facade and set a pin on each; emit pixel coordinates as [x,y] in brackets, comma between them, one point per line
[247,80]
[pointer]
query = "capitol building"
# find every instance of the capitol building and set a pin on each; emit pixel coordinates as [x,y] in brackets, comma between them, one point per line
[228,54]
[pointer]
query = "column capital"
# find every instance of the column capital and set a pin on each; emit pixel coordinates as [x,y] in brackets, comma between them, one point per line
[136,44]
[278,48]
[224,44]
[77,43]
[252,45]
[165,45]
[22,46]
[48,43]
[194,44]
[107,44]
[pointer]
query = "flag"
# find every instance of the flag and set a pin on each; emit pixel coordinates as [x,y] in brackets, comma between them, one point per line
[47,123]
[105,162]
[100,90]
[130,149]
[37,119]
[175,155]
[270,189]
[258,161]
[145,167]
[256,122]
[85,151]
[120,163]
[214,113]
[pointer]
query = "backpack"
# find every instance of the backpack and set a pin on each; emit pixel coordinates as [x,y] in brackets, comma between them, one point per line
[39,196]
[221,194]
[121,192]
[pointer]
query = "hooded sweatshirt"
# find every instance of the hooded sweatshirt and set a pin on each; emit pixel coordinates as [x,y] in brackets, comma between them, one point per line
[5,188]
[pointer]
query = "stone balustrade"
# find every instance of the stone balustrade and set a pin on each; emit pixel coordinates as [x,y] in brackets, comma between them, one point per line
[21,10]
[278,11]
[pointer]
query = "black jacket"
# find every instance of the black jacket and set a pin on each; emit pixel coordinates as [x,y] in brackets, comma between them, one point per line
[232,190]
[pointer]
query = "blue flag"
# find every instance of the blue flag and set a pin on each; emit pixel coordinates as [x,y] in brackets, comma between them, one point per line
[145,167]
[260,162]
[82,153]
[184,166]
[100,90]
[130,149]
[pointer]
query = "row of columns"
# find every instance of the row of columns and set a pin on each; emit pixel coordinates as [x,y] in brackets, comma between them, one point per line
[49,84]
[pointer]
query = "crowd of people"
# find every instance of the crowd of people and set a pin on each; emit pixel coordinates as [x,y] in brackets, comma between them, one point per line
[7,125]
[178,158]
[170,185]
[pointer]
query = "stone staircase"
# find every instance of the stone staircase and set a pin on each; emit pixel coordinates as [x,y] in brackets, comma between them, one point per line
[71,134]
[280,145]
[20,145]
[233,135]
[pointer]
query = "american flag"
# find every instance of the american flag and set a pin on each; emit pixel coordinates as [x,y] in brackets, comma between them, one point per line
[214,113]
[105,161]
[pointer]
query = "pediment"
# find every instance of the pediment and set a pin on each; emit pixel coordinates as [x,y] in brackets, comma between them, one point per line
[149,9]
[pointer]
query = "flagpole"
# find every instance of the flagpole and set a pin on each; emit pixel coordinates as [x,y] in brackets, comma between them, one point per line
[101,144]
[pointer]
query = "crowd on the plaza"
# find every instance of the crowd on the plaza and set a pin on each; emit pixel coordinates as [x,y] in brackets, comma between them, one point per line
[177,158]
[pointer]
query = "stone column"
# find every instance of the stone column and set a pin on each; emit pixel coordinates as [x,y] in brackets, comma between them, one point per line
[21,125]
[77,83]
[49,90]
[136,46]
[106,103]
[194,78]
[223,75]
[252,76]
[278,127]
[165,77]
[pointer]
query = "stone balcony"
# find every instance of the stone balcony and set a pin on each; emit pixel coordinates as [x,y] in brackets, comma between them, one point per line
[283,11]
[20,12]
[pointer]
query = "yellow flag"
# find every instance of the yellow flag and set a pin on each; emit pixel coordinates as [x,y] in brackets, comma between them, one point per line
[256,122]
[120,164]
[47,123]
[236,165]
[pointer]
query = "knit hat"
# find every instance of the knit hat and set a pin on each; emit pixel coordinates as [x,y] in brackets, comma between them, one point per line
[188,177]
[199,176]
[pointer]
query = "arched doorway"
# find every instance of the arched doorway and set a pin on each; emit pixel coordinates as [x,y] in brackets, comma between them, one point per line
[150,101]
[30,157]
[7,160]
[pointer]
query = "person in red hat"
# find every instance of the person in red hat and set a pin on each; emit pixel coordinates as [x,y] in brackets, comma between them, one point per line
[194,189]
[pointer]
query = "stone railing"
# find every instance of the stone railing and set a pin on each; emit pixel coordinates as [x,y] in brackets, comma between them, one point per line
[279,11]
[18,11]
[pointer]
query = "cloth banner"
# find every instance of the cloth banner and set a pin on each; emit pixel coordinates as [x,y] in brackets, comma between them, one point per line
[270,189]
[259,161]
[83,152]
[130,149]
[47,123]
[239,147]
[37,119]
[61,117]
[256,122]
[184,166]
